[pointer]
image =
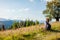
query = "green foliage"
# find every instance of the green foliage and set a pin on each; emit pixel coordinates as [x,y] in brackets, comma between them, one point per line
[37,22]
[15,25]
[25,23]
[29,23]
[53,9]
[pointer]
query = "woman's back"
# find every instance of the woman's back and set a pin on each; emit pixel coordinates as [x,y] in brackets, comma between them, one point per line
[47,25]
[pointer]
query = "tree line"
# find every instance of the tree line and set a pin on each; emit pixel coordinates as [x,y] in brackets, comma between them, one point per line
[25,23]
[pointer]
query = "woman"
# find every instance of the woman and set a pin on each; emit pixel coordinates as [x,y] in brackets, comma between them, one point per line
[47,24]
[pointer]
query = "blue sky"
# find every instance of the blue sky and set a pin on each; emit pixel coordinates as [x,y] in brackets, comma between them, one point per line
[22,9]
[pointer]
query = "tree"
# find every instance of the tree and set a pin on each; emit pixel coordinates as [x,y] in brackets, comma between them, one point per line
[53,9]
[37,22]
[15,25]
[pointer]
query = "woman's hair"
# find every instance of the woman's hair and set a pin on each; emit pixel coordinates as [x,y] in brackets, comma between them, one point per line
[47,19]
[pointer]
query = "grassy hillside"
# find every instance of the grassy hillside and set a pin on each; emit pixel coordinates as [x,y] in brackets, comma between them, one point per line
[36,32]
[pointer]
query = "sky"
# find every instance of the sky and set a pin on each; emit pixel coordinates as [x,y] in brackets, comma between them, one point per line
[23,9]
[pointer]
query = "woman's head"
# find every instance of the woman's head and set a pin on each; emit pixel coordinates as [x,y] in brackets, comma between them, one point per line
[47,19]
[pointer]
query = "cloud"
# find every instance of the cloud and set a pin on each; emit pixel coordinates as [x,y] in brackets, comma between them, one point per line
[48,0]
[12,13]
[31,0]
[24,10]
[15,10]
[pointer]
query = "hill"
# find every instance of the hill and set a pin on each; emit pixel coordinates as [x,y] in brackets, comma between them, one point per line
[36,32]
[7,22]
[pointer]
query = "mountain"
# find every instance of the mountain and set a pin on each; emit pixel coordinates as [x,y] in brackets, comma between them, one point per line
[3,19]
[7,22]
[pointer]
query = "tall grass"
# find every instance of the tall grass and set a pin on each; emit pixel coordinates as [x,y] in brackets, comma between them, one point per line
[32,33]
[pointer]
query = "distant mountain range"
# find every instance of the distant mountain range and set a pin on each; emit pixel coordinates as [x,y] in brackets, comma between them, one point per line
[2,19]
[5,22]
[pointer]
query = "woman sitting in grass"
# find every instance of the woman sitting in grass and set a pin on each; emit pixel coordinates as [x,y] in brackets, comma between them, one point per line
[47,24]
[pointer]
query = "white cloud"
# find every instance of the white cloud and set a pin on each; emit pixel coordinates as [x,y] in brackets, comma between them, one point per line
[31,0]
[24,10]
[12,13]
[14,10]
[48,0]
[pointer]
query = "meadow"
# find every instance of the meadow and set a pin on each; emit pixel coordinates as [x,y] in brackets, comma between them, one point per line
[36,32]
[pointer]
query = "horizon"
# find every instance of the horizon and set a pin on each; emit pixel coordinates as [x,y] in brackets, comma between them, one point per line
[22,9]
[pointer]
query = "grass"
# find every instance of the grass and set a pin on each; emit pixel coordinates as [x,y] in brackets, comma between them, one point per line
[36,32]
